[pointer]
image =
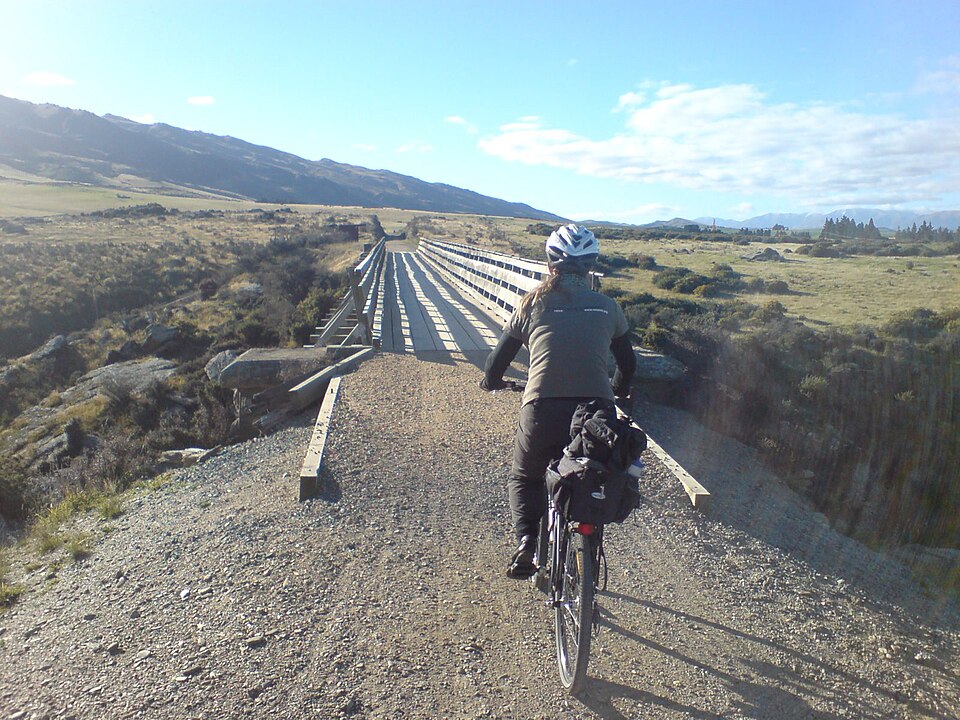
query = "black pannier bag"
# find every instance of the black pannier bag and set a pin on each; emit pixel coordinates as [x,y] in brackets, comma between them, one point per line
[590,483]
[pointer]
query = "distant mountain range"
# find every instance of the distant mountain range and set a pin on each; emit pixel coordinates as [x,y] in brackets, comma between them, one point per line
[890,219]
[77,146]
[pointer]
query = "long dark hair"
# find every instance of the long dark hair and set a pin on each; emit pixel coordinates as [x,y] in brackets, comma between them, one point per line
[548,285]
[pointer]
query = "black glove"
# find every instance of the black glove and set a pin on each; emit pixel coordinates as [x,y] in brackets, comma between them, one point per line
[492,385]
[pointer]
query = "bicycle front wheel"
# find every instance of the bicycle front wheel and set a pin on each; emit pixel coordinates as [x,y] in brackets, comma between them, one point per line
[574,610]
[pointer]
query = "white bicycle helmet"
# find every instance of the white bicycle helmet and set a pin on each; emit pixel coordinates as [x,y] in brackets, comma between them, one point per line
[572,248]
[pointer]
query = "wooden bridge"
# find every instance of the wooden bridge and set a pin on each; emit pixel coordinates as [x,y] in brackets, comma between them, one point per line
[438,299]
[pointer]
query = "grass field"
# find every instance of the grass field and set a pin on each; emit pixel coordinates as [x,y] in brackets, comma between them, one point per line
[824,291]
[23,196]
[841,292]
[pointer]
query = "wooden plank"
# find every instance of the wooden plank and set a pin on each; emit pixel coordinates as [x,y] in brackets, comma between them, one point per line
[697,493]
[311,389]
[310,470]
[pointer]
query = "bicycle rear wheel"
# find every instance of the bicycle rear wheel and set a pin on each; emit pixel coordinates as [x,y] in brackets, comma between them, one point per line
[574,609]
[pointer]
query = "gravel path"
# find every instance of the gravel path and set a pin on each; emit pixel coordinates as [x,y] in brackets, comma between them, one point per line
[218,596]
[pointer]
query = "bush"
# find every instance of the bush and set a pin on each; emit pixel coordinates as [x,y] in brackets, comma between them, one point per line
[667,279]
[656,338]
[689,283]
[645,262]
[16,498]
[773,310]
[777,287]
[920,325]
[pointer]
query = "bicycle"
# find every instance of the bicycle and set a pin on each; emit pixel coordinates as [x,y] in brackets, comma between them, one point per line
[569,558]
[571,561]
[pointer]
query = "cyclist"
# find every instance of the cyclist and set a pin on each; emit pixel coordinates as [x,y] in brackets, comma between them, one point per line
[569,329]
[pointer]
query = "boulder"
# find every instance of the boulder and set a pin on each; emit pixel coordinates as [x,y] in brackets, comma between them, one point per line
[218,363]
[654,368]
[137,375]
[158,336]
[247,291]
[49,349]
[186,457]
[765,255]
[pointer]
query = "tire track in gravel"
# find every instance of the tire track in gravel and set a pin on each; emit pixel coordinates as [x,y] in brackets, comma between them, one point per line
[387,599]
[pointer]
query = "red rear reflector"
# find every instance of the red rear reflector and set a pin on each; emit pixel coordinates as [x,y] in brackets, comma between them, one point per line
[585,528]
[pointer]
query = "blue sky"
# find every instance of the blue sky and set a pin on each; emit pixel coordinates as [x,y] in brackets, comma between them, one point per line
[628,111]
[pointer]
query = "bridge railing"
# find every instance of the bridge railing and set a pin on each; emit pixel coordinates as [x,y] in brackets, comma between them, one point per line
[498,280]
[355,318]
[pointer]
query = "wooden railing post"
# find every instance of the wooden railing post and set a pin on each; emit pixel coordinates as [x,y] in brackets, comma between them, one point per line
[358,302]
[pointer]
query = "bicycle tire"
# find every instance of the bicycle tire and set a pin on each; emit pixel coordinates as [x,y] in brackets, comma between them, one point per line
[574,609]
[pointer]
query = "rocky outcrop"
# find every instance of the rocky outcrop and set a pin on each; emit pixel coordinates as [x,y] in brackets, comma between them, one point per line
[765,255]
[218,363]
[49,349]
[39,435]
[654,368]
[158,336]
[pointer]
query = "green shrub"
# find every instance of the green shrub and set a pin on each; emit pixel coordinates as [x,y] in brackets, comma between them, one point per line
[668,278]
[772,310]
[656,338]
[689,283]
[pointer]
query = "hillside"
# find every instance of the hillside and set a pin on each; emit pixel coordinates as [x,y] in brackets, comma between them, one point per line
[77,146]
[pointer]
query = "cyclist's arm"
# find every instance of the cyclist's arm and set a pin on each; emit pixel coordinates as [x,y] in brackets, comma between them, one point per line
[626,364]
[499,360]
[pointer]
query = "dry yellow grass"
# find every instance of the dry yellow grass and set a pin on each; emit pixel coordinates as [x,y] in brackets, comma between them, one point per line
[824,291]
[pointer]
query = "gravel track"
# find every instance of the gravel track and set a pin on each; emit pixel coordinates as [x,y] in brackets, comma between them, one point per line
[219,596]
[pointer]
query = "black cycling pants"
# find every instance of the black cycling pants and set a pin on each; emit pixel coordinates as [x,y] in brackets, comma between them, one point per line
[543,432]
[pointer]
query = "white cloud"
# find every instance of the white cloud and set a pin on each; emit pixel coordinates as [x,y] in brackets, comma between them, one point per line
[44,78]
[742,210]
[145,119]
[201,100]
[629,99]
[731,138]
[462,122]
[945,81]
[415,146]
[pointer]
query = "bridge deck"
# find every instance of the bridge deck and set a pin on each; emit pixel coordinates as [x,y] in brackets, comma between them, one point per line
[423,313]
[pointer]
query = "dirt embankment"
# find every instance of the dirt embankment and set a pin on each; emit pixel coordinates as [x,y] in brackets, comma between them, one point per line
[219,596]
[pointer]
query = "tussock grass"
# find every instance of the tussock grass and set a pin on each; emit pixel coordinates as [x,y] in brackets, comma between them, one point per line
[78,545]
[9,594]
[109,507]
[47,530]
[155,483]
[47,541]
